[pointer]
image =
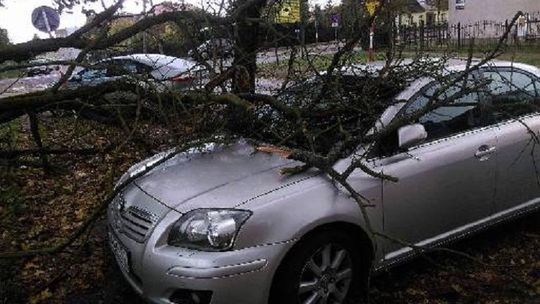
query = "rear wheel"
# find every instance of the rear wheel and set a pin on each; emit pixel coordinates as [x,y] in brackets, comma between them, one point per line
[324,268]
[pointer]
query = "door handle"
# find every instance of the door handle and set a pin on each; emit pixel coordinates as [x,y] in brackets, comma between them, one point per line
[484,152]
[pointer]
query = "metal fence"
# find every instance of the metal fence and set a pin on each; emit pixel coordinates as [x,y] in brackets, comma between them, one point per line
[487,32]
[422,36]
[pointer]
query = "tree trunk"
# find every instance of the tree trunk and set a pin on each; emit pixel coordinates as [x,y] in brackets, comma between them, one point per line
[246,45]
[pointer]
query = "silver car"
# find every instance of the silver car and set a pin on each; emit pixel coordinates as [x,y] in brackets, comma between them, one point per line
[164,72]
[223,226]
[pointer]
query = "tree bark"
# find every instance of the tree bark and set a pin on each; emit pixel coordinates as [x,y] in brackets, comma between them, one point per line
[34,127]
[246,45]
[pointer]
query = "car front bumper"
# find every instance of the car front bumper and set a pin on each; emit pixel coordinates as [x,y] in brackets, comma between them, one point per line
[159,272]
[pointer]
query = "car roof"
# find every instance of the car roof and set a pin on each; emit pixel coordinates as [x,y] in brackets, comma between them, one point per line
[461,65]
[158,60]
[163,66]
[451,66]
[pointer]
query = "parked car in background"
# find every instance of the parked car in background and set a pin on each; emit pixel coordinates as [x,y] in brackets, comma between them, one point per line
[165,72]
[222,226]
[218,47]
[41,67]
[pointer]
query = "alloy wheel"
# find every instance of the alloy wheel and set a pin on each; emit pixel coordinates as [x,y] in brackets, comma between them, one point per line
[326,276]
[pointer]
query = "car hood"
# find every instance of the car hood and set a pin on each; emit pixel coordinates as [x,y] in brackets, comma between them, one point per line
[224,177]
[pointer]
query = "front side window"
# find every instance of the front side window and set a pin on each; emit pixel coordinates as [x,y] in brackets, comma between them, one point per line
[460,111]
[116,68]
[511,93]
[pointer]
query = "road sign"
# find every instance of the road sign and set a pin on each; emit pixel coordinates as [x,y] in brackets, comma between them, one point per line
[371,6]
[288,11]
[45,19]
[334,20]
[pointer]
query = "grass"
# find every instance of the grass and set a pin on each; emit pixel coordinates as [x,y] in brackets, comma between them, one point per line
[303,65]
[9,133]
[525,54]
[529,57]
[10,74]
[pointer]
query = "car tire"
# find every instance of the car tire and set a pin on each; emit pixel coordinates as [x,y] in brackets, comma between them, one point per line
[319,276]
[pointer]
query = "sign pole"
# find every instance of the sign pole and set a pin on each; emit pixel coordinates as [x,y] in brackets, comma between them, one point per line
[371,36]
[144,46]
[334,19]
[371,7]
[47,25]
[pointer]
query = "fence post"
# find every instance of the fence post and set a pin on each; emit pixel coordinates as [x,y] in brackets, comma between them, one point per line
[528,28]
[439,34]
[459,36]
[421,34]
[506,26]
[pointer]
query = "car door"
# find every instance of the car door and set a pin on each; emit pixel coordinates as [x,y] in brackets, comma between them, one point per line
[514,103]
[446,182]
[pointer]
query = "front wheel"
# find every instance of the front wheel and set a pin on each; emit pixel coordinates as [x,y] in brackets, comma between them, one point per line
[324,268]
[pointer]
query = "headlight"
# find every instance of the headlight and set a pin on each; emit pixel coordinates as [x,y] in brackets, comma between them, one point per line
[208,229]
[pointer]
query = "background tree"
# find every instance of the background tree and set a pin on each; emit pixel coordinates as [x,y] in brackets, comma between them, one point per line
[441,5]
[352,11]
[4,37]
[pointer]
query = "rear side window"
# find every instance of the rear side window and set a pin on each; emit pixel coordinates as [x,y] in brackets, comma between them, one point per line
[130,67]
[135,67]
[511,93]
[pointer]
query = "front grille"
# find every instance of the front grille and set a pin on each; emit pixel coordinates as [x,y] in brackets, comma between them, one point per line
[135,222]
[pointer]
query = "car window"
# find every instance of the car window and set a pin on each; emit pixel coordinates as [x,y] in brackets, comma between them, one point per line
[116,68]
[130,67]
[511,93]
[90,74]
[459,115]
[134,67]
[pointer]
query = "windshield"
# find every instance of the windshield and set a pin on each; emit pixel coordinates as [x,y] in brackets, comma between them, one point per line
[325,109]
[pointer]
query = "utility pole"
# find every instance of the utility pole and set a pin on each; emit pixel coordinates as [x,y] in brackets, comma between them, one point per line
[144,46]
[304,11]
[316,31]
[371,37]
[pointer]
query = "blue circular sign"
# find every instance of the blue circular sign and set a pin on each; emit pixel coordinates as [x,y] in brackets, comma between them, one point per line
[45,19]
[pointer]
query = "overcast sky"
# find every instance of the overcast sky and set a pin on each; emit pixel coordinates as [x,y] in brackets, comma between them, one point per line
[16,15]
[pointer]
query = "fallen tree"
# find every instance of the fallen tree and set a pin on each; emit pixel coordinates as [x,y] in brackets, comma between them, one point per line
[317,121]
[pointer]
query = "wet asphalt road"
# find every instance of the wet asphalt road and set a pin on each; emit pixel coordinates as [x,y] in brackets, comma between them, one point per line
[27,84]
[9,87]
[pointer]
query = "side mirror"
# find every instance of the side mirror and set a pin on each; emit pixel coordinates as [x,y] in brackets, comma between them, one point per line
[411,135]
